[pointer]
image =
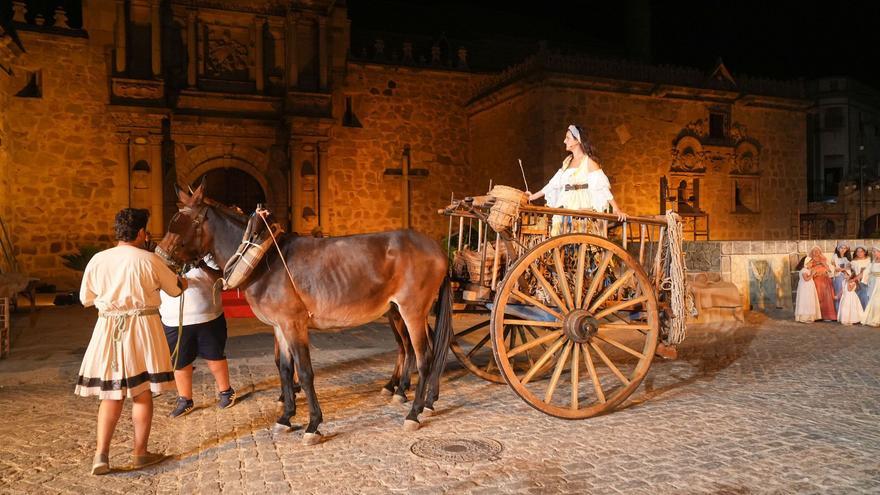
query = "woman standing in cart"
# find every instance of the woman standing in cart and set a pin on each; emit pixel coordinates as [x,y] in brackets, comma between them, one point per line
[580,184]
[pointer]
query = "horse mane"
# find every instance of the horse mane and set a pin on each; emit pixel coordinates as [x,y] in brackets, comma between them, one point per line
[231,211]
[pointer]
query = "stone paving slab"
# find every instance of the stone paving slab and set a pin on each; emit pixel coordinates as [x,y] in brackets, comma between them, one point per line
[768,407]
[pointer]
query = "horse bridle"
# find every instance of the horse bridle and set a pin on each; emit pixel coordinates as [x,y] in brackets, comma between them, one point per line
[197,221]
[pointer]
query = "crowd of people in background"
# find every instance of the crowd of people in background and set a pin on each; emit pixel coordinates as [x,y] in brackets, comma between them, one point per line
[842,289]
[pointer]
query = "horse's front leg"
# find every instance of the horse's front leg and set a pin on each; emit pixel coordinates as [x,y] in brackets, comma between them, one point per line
[297,337]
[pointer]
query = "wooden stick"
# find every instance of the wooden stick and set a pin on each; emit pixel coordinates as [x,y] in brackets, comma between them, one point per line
[613,326]
[472,329]
[542,361]
[579,279]
[535,343]
[563,280]
[460,231]
[598,277]
[620,346]
[597,385]
[547,287]
[575,369]
[496,261]
[642,229]
[608,363]
[534,323]
[534,302]
[610,290]
[479,344]
[560,365]
[625,304]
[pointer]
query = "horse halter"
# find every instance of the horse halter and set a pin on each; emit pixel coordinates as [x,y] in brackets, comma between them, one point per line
[180,226]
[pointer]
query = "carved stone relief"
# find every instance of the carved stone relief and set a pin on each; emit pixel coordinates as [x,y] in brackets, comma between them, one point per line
[227,53]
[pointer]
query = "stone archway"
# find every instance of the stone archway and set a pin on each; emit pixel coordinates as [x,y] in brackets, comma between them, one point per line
[234,187]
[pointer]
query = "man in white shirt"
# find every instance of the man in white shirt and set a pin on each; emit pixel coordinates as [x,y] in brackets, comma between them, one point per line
[204,335]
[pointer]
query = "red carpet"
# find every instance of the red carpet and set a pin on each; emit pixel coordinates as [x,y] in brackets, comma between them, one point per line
[235,305]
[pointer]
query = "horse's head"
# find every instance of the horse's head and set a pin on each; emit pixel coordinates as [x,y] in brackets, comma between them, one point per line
[186,240]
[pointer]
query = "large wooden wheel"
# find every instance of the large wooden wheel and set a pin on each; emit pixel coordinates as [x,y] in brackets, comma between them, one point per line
[591,312]
[472,346]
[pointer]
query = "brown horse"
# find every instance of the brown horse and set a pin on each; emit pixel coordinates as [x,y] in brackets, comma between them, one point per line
[336,282]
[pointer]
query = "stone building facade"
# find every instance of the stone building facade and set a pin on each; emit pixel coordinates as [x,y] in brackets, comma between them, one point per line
[264,99]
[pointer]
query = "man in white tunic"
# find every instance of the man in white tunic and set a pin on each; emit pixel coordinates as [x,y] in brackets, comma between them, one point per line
[127,356]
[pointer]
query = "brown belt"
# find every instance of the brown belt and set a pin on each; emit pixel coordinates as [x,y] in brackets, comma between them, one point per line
[575,187]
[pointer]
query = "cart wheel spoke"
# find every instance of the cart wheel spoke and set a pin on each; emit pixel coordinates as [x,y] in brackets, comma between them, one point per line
[535,323]
[550,337]
[623,305]
[534,302]
[611,290]
[542,361]
[479,345]
[548,288]
[597,385]
[563,280]
[575,369]
[579,276]
[598,277]
[472,329]
[557,372]
[609,340]
[608,363]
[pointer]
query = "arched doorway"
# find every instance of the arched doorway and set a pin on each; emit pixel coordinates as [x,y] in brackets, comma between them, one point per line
[233,187]
[871,227]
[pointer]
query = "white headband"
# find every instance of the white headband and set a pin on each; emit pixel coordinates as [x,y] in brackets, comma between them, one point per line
[574,132]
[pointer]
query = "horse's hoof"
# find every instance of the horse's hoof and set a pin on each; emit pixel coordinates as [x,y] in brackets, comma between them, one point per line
[312,438]
[411,425]
[398,399]
[428,411]
[385,392]
[281,428]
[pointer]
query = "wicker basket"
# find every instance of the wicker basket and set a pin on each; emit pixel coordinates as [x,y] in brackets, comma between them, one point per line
[505,211]
[473,258]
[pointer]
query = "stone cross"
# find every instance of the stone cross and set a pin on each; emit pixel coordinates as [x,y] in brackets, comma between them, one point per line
[407,174]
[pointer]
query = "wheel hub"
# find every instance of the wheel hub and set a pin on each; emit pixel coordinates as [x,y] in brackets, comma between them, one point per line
[580,326]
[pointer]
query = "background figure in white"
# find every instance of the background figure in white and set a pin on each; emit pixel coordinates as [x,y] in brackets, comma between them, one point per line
[872,273]
[806,308]
[859,266]
[841,266]
[872,310]
[850,310]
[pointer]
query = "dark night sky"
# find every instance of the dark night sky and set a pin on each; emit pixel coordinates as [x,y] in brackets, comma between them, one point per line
[781,39]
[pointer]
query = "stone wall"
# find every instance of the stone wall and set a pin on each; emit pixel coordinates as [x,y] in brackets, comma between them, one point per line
[634,136]
[397,106]
[5,146]
[64,172]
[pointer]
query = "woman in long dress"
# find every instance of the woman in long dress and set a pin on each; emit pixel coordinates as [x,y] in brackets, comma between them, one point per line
[850,309]
[580,184]
[821,270]
[872,310]
[859,267]
[840,262]
[806,308]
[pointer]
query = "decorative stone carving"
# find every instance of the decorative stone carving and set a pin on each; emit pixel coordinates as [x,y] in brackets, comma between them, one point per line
[227,57]
[688,156]
[746,159]
[137,89]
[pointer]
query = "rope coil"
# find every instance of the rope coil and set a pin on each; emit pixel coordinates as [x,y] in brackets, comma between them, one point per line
[680,299]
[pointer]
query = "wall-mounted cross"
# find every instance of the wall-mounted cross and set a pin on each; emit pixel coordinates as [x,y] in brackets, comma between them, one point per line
[407,174]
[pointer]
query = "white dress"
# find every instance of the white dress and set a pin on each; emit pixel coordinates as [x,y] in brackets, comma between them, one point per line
[872,310]
[128,353]
[850,309]
[596,196]
[806,308]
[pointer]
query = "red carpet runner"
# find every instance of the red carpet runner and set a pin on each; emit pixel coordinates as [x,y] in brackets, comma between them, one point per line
[235,305]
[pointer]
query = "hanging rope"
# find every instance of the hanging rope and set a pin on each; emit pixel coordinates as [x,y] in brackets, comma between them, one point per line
[680,300]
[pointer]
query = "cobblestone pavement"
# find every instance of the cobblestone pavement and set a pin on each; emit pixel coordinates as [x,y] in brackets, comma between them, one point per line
[767,407]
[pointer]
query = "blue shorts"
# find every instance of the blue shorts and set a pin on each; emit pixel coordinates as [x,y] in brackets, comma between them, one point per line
[205,340]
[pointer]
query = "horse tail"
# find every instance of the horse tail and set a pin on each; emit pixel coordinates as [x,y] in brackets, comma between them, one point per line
[442,334]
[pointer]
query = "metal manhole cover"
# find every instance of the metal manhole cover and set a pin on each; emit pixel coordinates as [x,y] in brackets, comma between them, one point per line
[457,449]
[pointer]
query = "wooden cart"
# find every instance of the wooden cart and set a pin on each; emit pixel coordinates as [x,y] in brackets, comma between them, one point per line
[571,321]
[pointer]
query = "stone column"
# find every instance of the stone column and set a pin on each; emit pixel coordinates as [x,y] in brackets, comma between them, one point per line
[156,38]
[323,187]
[259,55]
[295,195]
[191,48]
[157,203]
[120,35]
[323,62]
[292,67]
[123,154]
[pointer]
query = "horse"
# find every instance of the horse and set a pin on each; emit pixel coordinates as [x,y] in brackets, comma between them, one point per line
[325,284]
